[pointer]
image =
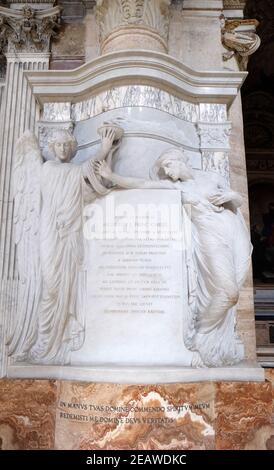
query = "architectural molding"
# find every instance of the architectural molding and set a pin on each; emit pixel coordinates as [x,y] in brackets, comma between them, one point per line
[136,67]
[242,372]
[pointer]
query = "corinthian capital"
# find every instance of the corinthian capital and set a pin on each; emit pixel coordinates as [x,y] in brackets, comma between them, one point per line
[28,29]
[125,23]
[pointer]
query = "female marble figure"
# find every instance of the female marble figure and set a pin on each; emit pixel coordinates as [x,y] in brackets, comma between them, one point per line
[217,260]
[49,200]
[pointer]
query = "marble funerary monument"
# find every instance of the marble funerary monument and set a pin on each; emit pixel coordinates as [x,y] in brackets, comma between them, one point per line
[125,250]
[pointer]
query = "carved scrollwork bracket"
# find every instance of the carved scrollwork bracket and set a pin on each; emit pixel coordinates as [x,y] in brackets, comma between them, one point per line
[240,39]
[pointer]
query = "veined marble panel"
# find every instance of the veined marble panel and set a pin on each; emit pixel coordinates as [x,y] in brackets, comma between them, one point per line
[130,417]
[27,414]
[128,96]
[37,414]
[57,112]
[211,112]
[217,162]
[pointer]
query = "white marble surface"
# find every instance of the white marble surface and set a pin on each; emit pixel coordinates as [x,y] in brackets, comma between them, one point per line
[244,372]
[136,287]
[147,132]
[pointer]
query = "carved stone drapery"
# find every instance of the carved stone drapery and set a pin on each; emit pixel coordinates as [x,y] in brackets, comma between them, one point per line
[131,24]
[28,29]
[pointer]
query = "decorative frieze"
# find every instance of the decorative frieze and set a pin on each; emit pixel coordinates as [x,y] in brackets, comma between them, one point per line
[211,112]
[57,112]
[218,162]
[125,96]
[214,136]
[135,95]
[260,165]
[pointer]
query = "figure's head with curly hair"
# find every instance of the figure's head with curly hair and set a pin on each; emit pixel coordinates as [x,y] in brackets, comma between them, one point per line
[62,145]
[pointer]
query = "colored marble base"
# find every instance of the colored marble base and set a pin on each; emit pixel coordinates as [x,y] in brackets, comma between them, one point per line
[27,414]
[43,414]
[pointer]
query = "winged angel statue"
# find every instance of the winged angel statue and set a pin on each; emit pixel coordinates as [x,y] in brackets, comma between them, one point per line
[49,198]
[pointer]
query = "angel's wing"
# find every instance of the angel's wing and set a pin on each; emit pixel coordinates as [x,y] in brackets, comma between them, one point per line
[27,203]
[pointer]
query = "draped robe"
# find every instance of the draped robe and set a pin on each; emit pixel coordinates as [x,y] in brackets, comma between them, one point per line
[65,187]
[218,259]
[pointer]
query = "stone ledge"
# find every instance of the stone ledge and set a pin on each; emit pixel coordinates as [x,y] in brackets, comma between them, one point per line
[140,375]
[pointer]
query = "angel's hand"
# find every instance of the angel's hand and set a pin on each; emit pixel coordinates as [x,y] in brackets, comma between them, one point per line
[108,138]
[116,144]
[221,198]
[217,199]
[102,169]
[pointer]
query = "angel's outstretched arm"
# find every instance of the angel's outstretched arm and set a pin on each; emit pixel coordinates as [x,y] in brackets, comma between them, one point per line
[102,169]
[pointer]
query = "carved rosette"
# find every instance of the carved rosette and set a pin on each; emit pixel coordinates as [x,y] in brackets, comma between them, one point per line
[28,29]
[133,24]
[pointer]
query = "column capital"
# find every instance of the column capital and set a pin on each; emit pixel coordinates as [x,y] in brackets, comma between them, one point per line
[132,24]
[28,29]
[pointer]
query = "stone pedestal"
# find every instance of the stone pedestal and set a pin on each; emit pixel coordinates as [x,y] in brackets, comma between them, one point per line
[37,414]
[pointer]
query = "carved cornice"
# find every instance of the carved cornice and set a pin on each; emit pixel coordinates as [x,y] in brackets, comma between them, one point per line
[240,38]
[131,67]
[28,29]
